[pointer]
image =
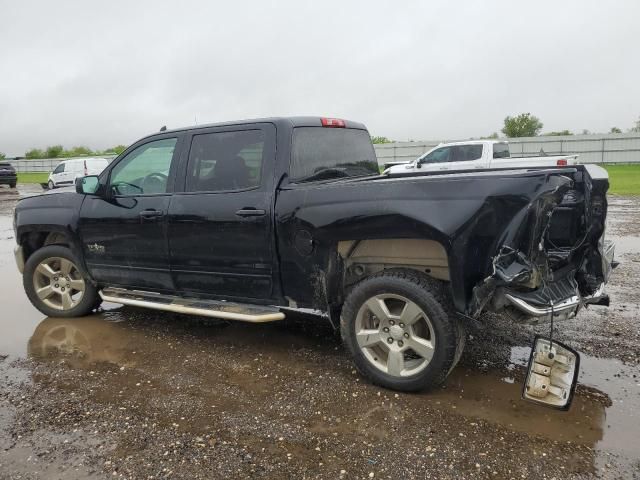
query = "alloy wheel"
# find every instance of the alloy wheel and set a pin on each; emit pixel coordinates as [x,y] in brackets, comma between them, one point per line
[58,283]
[395,335]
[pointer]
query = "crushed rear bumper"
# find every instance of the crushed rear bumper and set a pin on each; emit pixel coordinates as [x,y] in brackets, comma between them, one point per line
[563,297]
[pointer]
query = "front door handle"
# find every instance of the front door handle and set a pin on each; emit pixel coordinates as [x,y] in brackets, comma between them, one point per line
[250,212]
[149,214]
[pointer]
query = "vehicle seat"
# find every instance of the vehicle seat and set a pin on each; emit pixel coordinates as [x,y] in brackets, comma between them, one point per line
[229,173]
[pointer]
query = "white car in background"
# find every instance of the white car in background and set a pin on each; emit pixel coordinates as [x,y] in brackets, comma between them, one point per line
[67,171]
[476,154]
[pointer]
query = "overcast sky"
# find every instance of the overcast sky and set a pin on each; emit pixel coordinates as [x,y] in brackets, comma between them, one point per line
[105,73]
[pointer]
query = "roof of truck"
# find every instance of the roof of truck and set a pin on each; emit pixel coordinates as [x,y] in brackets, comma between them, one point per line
[292,122]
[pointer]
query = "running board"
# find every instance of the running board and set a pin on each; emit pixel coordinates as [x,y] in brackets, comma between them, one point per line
[205,308]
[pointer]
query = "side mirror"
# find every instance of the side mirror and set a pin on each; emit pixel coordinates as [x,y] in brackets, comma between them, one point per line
[88,185]
[552,374]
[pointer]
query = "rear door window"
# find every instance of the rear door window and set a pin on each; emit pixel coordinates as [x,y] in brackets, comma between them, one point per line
[464,153]
[223,161]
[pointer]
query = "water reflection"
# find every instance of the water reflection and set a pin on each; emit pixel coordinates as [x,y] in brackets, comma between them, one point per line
[488,395]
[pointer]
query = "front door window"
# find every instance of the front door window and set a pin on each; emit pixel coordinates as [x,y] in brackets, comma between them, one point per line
[145,170]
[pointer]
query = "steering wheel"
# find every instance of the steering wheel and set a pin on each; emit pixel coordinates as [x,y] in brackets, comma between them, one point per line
[116,187]
[155,183]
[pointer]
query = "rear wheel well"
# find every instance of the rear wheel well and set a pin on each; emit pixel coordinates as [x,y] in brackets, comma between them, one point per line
[363,258]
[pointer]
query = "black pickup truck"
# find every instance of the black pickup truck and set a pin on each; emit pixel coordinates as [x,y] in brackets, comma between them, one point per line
[251,220]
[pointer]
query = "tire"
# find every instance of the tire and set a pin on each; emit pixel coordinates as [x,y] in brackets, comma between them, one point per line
[12,185]
[416,311]
[51,185]
[55,286]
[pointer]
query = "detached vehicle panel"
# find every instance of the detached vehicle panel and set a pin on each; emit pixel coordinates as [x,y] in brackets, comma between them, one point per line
[251,220]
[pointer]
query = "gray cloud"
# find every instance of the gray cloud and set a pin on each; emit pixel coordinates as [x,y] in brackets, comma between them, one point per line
[78,72]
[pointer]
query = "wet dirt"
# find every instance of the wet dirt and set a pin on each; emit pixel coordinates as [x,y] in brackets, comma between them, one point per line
[129,393]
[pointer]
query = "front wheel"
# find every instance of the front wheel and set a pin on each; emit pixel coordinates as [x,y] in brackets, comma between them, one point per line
[12,185]
[397,327]
[51,185]
[55,285]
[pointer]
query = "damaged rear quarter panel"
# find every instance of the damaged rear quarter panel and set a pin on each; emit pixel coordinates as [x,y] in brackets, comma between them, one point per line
[470,214]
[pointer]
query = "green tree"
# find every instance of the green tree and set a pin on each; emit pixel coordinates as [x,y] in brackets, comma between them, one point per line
[523,125]
[2,156]
[380,140]
[493,136]
[636,128]
[118,149]
[54,151]
[586,131]
[34,153]
[557,134]
[78,151]
[615,130]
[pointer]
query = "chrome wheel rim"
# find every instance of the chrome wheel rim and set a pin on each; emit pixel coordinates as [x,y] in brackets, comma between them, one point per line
[58,283]
[395,335]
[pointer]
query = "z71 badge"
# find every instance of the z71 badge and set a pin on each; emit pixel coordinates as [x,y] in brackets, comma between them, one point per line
[96,248]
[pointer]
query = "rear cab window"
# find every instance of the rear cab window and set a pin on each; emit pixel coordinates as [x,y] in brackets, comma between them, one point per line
[321,153]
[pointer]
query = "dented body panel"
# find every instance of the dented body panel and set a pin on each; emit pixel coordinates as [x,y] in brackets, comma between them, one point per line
[490,224]
[528,239]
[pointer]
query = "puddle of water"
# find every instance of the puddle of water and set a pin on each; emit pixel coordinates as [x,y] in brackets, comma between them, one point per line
[18,317]
[621,384]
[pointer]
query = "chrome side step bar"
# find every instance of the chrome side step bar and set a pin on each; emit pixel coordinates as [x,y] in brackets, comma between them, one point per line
[205,308]
[561,307]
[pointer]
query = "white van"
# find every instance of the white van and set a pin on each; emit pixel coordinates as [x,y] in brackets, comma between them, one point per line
[67,171]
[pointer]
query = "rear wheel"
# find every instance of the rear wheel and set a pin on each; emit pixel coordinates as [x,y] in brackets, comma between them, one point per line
[12,185]
[397,327]
[55,285]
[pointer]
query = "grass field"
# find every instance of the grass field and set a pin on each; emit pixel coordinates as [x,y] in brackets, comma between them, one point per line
[624,178]
[33,177]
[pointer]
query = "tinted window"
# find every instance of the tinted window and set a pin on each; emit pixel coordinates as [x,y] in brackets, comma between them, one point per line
[321,153]
[225,161]
[145,170]
[501,150]
[59,168]
[437,156]
[462,153]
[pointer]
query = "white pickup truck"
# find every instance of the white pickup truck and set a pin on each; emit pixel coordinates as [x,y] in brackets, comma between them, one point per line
[476,155]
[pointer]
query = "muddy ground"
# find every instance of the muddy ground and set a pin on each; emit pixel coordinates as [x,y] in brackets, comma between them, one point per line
[127,393]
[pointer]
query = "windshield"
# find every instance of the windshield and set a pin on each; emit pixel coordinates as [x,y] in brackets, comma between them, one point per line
[321,153]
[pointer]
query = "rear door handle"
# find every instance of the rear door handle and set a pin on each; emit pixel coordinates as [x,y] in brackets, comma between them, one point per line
[151,214]
[250,212]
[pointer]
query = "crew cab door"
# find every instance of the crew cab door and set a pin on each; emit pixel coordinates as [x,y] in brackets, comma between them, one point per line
[123,231]
[220,225]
